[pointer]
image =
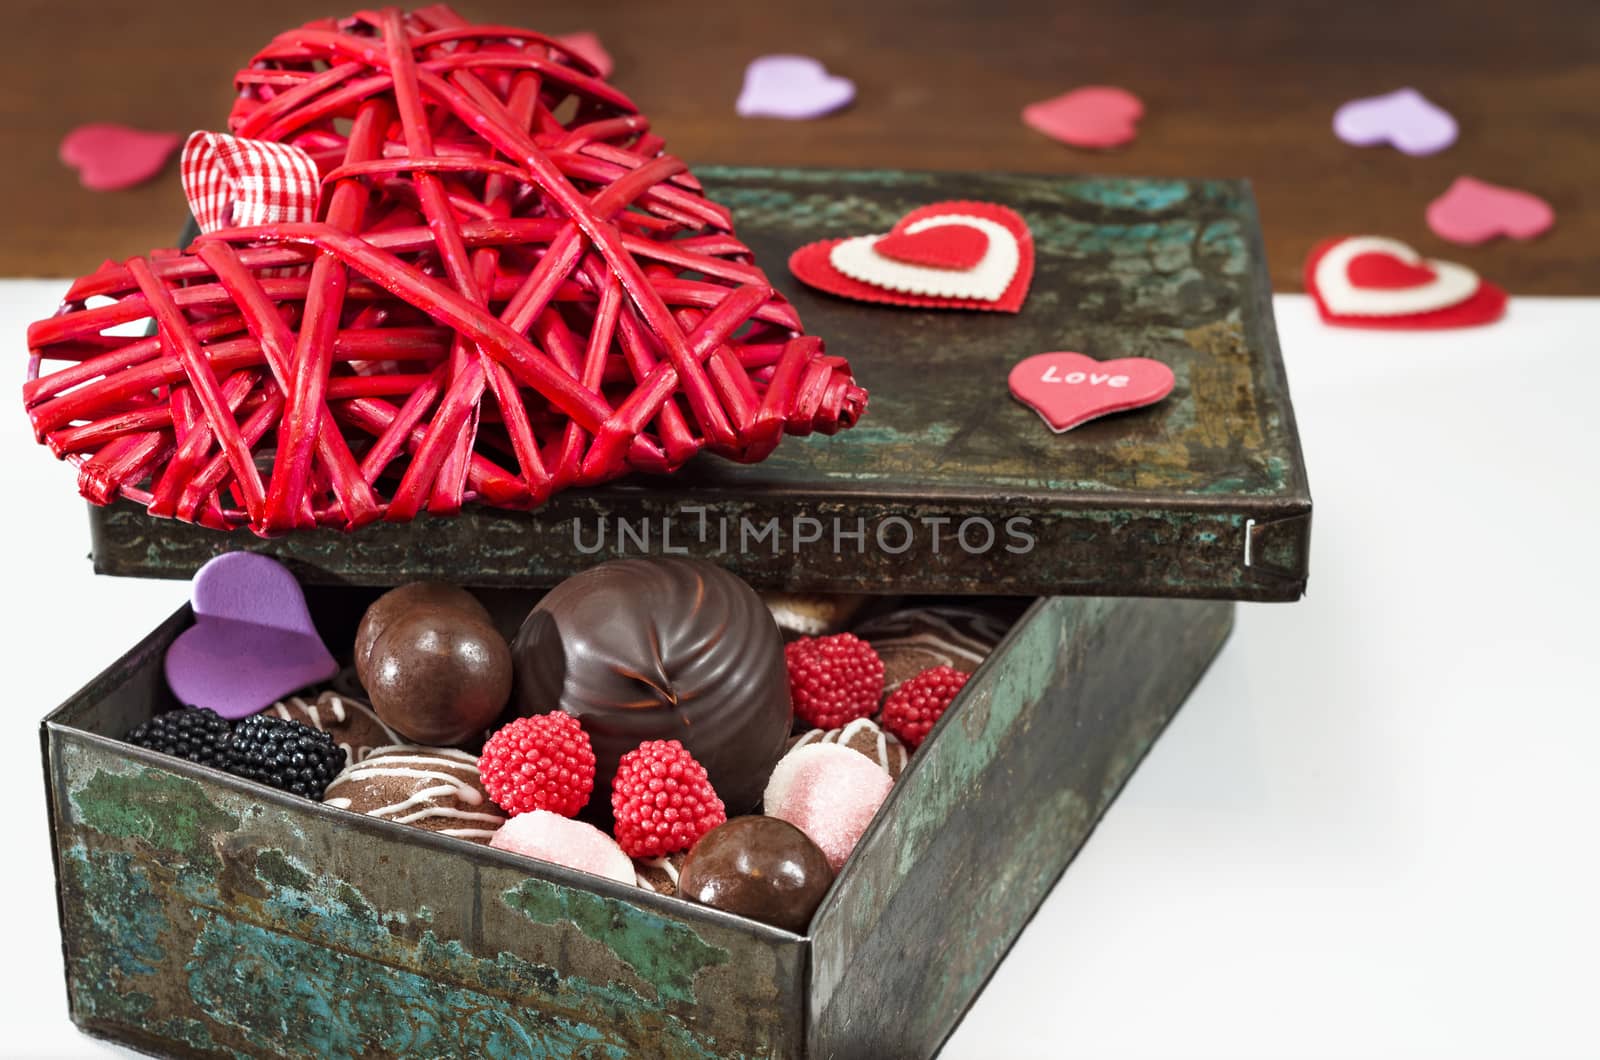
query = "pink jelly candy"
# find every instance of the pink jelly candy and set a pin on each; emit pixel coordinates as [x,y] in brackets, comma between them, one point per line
[830,793]
[552,837]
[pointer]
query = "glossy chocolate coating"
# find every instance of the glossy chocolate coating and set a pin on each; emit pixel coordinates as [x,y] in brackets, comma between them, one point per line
[759,867]
[396,602]
[439,676]
[662,649]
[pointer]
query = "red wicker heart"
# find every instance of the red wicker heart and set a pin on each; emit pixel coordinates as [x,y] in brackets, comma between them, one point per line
[509,289]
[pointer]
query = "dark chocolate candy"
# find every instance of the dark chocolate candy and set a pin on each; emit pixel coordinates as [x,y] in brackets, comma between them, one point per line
[396,602]
[759,867]
[662,649]
[920,638]
[439,675]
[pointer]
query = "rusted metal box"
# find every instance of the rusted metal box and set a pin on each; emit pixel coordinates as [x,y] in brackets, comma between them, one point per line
[204,915]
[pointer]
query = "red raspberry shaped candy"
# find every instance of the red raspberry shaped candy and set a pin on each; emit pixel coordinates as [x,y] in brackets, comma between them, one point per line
[539,763]
[663,800]
[833,680]
[921,701]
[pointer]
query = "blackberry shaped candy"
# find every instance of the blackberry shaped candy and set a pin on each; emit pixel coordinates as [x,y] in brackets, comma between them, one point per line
[285,754]
[194,733]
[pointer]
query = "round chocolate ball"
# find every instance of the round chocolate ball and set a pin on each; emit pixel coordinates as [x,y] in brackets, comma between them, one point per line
[439,675]
[759,867]
[662,649]
[396,602]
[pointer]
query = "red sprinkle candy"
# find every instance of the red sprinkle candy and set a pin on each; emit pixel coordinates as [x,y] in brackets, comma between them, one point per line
[663,800]
[540,763]
[920,702]
[833,680]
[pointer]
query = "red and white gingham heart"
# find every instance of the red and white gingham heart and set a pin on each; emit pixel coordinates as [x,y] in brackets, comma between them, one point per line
[235,183]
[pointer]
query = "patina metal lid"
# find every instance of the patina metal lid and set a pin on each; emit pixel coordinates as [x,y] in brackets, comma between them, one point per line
[948,485]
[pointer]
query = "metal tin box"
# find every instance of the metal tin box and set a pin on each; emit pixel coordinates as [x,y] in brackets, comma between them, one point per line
[1203,495]
[204,915]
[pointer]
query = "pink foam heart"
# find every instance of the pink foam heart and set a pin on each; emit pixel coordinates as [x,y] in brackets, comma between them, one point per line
[252,642]
[1407,119]
[111,157]
[587,46]
[1067,389]
[1474,211]
[1098,117]
[939,247]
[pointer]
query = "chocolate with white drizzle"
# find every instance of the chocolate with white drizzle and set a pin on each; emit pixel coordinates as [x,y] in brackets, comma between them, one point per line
[863,736]
[435,788]
[921,638]
[662,649]
[354,725]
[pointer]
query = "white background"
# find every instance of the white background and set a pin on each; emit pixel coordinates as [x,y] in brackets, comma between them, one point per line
[1372,832]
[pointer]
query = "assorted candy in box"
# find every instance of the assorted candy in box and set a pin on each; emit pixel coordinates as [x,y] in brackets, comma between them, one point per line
[647,723]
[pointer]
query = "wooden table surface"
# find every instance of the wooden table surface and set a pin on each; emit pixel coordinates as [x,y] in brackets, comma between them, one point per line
[1244,91]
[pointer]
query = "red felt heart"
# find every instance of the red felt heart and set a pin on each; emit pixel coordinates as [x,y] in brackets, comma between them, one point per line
[1067,389]
[811,264]
[1383,274]
[1387,272]
[112,157]
[509,288]
[939,247]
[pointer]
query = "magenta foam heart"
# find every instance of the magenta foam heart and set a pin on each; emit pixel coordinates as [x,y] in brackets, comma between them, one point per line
[112,157]
[1405,119]
[1096,117]
[1474,211]
[252,642]
[792,86]
[1067,389]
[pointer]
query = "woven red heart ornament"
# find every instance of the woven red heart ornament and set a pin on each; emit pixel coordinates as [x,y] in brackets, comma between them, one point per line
[508,289]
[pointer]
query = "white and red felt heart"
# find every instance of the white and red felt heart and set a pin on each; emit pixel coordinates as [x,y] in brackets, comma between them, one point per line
[1067,389]
[929,261]
[1376,282]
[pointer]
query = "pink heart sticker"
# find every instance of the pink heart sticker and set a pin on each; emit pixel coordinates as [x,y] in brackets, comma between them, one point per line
[939,247]
[1067,389]
[1474,211]
[587,46]
[113,157]
[1096,117]
[252,642]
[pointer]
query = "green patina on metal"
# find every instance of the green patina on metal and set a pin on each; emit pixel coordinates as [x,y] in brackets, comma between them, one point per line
[168,812]
[1161,268]
[663,953]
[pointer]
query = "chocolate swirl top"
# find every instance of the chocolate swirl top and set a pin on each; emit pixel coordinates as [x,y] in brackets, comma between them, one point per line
[662,649]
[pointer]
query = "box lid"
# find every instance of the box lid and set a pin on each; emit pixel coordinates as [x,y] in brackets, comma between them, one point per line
[948,485]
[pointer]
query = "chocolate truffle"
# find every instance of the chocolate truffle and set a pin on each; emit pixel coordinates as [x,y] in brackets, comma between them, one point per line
[759,867]
[921,638]
[813,614]
[396,602]
[659,874]
[353,724]
[439,675]
[662,649]
[862,736]
[428,787]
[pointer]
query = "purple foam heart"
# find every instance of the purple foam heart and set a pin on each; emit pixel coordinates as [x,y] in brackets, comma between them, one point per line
[252,641]
[1407,119]
[792,86]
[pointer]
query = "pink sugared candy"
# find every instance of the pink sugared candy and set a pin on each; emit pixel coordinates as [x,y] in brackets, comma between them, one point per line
[554,838]
[830,793]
